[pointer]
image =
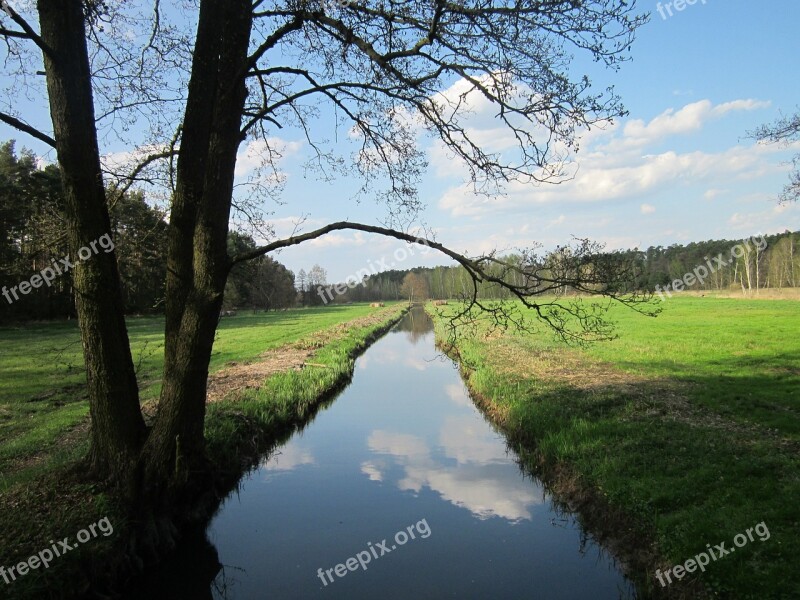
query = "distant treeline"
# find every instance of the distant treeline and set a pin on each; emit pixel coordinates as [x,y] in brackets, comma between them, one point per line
[753,263]
[770,261]
[33,235]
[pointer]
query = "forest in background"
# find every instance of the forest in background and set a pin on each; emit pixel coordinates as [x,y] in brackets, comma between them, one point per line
[771,261]
[32,236]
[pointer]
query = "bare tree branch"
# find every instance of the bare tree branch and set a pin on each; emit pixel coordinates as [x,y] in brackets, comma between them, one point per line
[784,131]
[133,176]
[29,33]
[25,128]
[14,34]
[582,268]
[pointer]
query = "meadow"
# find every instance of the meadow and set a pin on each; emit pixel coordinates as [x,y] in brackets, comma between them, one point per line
[44,423]
[682,432]
[42,393]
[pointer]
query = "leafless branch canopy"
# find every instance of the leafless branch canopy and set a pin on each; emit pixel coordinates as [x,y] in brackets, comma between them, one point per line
[785,130]
[534,282]
[391,70]
[393,66]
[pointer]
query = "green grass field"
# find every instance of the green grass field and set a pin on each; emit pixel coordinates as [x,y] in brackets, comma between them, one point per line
[740,357]
[687,424]
[43,399]
[42,393]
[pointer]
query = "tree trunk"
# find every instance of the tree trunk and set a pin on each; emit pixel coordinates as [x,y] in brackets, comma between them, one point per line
[117,424]
[758,270]
[198,259]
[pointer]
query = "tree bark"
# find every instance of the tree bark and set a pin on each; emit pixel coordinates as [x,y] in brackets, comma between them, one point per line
[117,424]
[198,259]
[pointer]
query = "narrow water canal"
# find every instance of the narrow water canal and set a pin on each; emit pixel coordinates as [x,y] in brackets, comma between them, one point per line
[402,449]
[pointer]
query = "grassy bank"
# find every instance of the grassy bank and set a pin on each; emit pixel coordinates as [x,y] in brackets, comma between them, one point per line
[248,422]
[43,423]
[681,433]
[42,387]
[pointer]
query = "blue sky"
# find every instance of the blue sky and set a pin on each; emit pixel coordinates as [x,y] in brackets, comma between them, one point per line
[679,168]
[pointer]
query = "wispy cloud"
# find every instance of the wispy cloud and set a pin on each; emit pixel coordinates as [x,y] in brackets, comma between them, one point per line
[616,164]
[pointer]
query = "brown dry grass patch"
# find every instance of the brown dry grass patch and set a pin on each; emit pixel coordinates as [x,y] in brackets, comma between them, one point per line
[69,439]
[236,377]
[652,398]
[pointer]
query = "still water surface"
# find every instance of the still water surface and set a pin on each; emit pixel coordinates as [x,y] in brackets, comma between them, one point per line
[402,445]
